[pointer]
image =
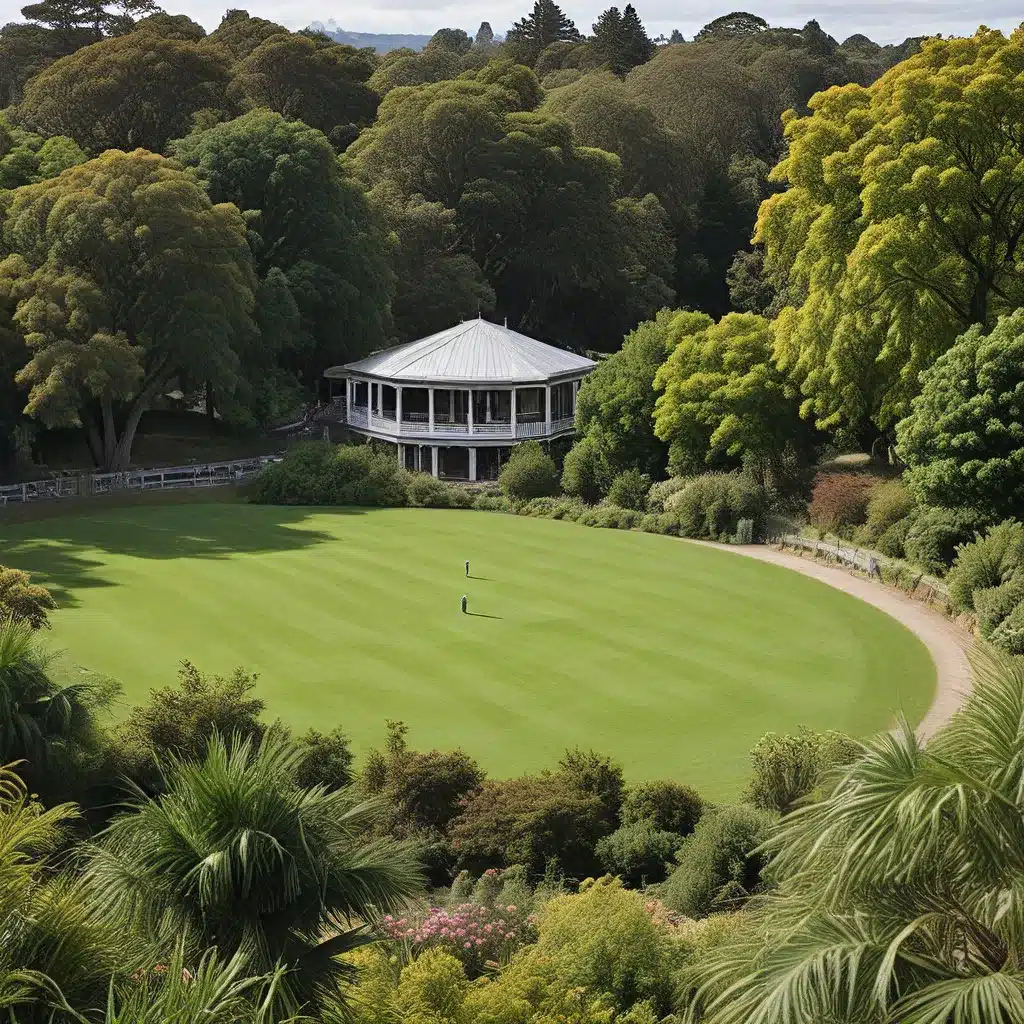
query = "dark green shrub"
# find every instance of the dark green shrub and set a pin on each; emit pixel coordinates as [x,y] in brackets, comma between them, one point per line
[326,760]
[789,767]
[893,542]
[667,806]
[712,505]
[538,821]
[423,792]
[629,490]
[718,866]
[529,473]
[180,720]
[994,604]
[316,473]
[639,853]
[889,504]
[745,531]
[596,775]
[426,491]
[584,471]
[987,562]
[934,534]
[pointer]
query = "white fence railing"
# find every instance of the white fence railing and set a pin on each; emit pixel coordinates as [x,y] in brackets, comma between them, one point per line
[211,474]
[864,559]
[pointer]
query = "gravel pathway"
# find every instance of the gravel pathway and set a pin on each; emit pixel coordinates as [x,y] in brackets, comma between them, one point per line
[946,642]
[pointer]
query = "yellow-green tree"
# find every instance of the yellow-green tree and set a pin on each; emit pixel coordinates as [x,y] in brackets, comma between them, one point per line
[722,396]
[122,273]
[901,225]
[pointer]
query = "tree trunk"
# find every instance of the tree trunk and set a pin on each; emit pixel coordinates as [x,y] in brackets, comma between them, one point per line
[123,452]
[92,439]
[979,301]
[109,429]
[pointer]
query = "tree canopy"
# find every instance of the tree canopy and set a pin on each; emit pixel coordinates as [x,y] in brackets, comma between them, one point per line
[963,441]
[900,226]
[136,90]
[130,276]
[320,256]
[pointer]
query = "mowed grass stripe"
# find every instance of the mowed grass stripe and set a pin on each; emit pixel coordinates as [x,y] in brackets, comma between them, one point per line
[672,657]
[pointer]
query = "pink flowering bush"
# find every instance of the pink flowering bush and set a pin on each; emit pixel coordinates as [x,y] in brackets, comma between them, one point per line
[473,933]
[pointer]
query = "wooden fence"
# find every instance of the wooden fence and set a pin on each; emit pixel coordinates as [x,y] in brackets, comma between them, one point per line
[211,474]
[870,562]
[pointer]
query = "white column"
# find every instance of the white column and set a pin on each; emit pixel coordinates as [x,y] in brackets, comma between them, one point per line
[472,464]
[469,409]
[451,406]
[430,410]
[401,455]
[433,460]
[547,408]
[512,403]
[487,407]
[398,408]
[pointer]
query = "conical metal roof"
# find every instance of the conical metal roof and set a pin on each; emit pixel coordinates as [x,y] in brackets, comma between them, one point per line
[473,351]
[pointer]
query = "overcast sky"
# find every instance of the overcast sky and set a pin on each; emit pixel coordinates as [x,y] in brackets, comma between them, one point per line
[884,21]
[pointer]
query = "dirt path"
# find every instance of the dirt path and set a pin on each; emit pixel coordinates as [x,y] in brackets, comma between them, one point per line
[946,642]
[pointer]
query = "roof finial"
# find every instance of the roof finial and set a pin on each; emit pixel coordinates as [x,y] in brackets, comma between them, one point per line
[479,315]
[506,321]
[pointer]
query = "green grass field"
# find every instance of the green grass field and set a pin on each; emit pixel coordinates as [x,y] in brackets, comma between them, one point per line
[673,657]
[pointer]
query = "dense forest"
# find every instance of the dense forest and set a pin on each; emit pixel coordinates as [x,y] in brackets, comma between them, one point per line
[342,201]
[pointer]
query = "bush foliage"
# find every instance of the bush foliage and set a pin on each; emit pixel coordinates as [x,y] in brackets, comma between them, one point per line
[719,865]
[529,473]
[666,805]
[316,473]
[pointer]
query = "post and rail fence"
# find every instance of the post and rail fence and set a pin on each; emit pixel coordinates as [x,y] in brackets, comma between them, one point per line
[74,485]
[865,560]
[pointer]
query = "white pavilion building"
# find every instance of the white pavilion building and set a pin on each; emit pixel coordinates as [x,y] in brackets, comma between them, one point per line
[454,403]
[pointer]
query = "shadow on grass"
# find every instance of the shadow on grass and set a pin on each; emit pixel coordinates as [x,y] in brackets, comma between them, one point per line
[484,615]
[67,554]
[485,579]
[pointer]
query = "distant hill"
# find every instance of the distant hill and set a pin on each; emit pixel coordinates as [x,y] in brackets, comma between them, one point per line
[382,42]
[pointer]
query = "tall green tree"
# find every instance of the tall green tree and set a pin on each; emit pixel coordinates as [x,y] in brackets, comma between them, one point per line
[122,274]
[136,90]
[317,247]
[235,854]
[897,894]
[723,398]
[900,226]
[963,442]
[615,405]
[547,23]
[620,40]
[314,80]
[437,283]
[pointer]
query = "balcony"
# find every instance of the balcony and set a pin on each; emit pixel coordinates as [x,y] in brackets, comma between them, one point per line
[417,426]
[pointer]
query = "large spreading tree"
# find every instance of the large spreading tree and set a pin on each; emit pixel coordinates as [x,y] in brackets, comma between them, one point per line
[722,397]
[121,274]
[136,90]
[321,258]
[901,225]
